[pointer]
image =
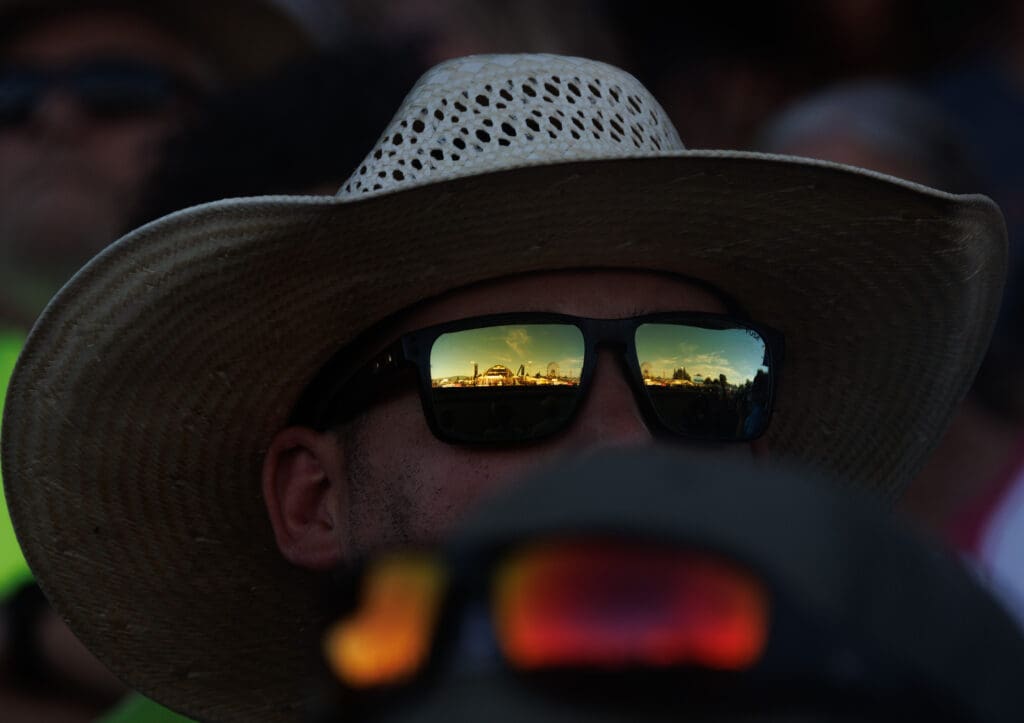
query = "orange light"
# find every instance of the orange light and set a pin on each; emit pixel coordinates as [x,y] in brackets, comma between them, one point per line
[388,638]
[616,604]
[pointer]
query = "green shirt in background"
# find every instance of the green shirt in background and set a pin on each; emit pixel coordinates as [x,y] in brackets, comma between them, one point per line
[136,709]
[13,568]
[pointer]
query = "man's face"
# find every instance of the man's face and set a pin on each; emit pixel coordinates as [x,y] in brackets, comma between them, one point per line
[399,483]
[68,176]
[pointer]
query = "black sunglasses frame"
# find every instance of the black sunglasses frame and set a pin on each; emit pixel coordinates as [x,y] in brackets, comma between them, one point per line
[341,401]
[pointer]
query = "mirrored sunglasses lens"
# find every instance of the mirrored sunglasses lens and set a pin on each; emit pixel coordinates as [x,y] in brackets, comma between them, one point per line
[506,383]
[387,639]
[621,604]
[711,383]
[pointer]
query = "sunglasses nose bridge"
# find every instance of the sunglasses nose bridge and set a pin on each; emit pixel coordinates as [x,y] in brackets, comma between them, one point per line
[610,414]
[613,336]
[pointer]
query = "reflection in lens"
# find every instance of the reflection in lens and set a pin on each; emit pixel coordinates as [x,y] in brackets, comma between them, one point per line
[619,603]
[712,383]
[511,382]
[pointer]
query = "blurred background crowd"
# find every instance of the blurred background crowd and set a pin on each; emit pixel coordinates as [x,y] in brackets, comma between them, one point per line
[115,113]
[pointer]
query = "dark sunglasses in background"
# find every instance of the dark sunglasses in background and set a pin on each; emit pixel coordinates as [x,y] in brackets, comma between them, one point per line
[519,377]
[606,623]
[105,89]
[561,603]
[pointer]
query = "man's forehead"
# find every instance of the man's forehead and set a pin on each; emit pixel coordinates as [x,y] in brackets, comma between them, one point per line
[598,293]
[594,293]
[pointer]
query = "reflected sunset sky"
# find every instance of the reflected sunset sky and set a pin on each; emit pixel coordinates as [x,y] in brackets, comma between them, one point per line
[736,353]
[534,346]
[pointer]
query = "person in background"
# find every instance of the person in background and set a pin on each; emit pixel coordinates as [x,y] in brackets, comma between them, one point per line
[89,94]
[970,489]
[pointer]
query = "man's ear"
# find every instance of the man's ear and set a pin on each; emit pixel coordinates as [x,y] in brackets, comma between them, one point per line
[302,480]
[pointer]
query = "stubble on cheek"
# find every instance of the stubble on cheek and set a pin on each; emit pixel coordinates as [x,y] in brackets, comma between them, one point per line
[378,504]
[396,498]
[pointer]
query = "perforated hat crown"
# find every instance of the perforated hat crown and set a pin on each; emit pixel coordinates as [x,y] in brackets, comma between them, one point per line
[495,112]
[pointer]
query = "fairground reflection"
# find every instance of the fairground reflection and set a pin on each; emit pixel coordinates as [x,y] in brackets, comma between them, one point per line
[709,383]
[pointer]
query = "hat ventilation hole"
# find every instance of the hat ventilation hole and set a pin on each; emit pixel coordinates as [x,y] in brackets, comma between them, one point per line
[499,122]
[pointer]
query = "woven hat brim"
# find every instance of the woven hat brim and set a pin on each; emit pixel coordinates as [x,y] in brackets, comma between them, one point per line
[146,395]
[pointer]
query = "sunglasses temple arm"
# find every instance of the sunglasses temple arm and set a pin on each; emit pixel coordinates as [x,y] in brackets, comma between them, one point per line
[346,397]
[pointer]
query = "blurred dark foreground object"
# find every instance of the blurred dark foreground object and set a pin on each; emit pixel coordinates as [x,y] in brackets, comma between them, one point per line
[652,586]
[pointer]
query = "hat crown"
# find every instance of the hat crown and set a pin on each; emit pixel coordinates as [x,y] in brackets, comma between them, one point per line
[489,113]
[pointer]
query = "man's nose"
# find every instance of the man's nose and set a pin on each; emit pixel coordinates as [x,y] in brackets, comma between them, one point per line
[609,416]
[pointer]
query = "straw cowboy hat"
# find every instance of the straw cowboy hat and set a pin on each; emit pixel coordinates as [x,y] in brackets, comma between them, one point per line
[144,399]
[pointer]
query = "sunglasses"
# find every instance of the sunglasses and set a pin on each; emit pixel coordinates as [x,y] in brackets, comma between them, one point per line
[106,89]
[606,621]
[552,605]
[519,377]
